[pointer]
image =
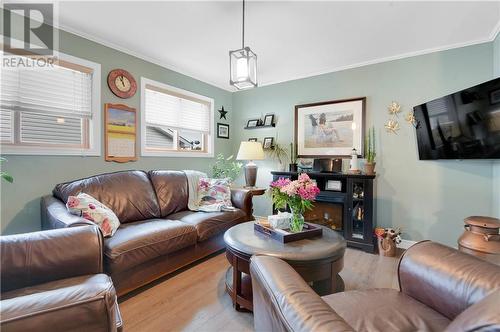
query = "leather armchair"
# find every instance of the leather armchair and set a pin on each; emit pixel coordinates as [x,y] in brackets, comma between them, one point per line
[441,289]
[53,280]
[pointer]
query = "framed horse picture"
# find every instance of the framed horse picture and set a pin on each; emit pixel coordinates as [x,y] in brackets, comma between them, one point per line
[330,128]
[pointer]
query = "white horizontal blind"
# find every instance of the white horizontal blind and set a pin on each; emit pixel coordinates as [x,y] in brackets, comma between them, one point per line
[175,112]
[6,126]
[58,91]
[52,105]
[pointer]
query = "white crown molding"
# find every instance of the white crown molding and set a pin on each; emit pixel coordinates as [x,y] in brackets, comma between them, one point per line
[141,56]
[172,67]
[495,31]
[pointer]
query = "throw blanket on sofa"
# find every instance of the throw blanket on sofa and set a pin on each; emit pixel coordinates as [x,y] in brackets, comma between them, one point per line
[193,178]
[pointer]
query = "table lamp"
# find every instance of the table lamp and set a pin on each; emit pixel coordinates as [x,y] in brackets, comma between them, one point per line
[250,151]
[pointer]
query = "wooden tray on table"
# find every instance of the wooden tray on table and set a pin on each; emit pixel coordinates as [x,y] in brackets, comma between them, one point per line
[285,236]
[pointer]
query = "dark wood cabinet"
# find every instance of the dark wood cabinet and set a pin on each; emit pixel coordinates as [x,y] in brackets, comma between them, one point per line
[344,204]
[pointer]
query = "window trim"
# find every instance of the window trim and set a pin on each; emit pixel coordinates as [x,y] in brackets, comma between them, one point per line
[182,154]
[94,130]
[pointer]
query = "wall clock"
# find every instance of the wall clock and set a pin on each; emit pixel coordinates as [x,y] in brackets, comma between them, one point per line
[122,83]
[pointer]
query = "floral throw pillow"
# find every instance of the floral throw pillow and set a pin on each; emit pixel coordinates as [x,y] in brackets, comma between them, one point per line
[214,191]
[91,209]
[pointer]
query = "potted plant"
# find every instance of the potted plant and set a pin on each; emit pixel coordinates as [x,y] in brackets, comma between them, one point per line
[293,158]
[4,175]
[280,154]
[370,152]
[298,195]
[226,168]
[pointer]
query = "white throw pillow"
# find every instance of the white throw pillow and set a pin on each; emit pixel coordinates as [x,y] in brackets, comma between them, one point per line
[88,207]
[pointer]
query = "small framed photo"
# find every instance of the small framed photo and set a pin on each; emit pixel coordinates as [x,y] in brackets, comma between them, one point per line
[252,123]
[268,143]
[269,120]
[252,139]
[222,130]
[333,185]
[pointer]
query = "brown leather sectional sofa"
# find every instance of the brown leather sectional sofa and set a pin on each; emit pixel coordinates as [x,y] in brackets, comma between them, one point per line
[51,282]
[441,289]
[158,234]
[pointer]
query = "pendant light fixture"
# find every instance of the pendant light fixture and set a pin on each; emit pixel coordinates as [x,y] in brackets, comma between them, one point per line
[243,64]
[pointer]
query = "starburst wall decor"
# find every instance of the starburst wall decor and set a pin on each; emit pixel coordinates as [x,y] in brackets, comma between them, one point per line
[392,125]
[412,120]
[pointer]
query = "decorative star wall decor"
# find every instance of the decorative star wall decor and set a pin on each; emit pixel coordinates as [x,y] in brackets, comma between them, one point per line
[222,113]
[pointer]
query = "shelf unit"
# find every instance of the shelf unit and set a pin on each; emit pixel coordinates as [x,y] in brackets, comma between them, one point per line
[261,127]
[356,199]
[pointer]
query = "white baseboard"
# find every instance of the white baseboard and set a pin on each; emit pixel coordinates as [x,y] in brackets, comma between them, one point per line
[405,244]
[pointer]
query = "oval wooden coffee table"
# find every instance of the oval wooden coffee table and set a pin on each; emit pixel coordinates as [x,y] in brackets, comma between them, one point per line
[318,260]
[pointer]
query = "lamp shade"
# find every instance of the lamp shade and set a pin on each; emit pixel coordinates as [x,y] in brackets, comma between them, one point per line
[250,151]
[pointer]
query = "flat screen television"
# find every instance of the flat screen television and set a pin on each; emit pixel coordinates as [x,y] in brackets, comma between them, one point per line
[463,125]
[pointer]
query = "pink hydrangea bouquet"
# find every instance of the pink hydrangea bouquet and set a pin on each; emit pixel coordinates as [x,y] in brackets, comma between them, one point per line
[298,195]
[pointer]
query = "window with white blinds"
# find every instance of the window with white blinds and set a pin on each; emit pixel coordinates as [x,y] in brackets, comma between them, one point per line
[50,110]
[175,120]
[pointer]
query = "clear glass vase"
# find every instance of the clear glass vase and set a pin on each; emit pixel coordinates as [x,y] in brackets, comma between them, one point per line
[297,221]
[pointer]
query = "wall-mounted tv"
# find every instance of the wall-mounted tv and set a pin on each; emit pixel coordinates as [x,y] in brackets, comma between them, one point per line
[463,125]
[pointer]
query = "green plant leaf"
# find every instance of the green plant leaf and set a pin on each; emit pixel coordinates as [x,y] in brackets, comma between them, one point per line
[7,177]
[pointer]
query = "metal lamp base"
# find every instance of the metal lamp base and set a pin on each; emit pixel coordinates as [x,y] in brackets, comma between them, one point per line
[250,174]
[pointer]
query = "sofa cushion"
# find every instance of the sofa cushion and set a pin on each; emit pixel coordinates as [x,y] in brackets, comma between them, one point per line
[129,194]
[385,310]
[209,224]
[171,190]
[74,304]
[141,241]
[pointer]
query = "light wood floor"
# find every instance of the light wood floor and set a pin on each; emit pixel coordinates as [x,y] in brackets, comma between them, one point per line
[195,298]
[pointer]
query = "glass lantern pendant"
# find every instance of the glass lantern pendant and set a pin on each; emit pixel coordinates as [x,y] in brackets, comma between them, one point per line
[243,64]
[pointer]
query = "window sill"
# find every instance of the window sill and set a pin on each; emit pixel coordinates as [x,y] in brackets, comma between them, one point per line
[177,154]
[47,151]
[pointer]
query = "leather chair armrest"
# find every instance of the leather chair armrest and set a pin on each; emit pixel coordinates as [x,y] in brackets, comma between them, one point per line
[55,214]
[482,316]
[242,199]
[85,303]
[34,258]
[445,279]
[282,300]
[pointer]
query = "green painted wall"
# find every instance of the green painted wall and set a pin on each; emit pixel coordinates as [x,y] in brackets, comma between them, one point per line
[428,199]
[496,165]
[35,176]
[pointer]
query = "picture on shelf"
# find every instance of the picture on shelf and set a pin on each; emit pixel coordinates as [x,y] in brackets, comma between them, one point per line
[268,143]
[269,120]
[253,123]
[222,130]
[252,139]
[330,128]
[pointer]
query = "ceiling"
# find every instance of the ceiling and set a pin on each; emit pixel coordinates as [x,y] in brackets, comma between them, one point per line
[292,39]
